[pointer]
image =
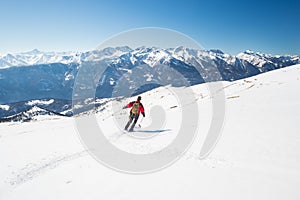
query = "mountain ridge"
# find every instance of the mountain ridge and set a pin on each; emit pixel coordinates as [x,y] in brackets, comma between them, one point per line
[142,69]
[35,56]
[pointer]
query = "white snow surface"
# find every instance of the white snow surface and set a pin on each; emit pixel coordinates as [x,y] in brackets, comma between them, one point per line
[257,157]
[4,107]
[40,102]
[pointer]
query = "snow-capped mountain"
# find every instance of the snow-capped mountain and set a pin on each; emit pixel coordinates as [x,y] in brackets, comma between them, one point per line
[150,56]
[37,75]
[267,62]
[36,57]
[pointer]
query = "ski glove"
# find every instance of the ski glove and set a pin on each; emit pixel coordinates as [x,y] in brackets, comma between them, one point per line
[143,114]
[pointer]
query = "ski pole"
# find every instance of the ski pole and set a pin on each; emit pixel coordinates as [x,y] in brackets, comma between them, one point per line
[141,122]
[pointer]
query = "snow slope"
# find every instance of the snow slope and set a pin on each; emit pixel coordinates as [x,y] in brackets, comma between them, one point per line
[257,156]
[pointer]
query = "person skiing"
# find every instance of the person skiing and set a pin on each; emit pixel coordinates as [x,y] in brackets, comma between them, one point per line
[136,108]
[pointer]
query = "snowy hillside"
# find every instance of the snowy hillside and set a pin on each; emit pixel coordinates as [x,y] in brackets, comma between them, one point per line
[257,156]
[31,114]
[54,106]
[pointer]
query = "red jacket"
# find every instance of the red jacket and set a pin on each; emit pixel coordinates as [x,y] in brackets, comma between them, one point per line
[141,107]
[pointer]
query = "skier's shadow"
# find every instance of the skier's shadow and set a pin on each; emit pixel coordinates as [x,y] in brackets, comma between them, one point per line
[153,131]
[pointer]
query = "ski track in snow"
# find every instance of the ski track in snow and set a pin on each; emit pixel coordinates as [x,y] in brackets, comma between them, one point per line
[33,170]
[210,161]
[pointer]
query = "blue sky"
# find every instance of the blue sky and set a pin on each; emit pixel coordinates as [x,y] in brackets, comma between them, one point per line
[232,26]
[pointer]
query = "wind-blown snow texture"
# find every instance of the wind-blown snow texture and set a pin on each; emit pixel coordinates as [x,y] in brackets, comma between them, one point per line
[257,156]
[44,76]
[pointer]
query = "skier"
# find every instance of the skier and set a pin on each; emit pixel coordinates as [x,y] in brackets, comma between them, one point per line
[136,108]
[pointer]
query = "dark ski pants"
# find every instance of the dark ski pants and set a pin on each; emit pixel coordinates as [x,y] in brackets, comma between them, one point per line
[134,118]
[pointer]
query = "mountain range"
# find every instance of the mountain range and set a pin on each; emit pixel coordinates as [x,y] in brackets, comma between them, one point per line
[37,75]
